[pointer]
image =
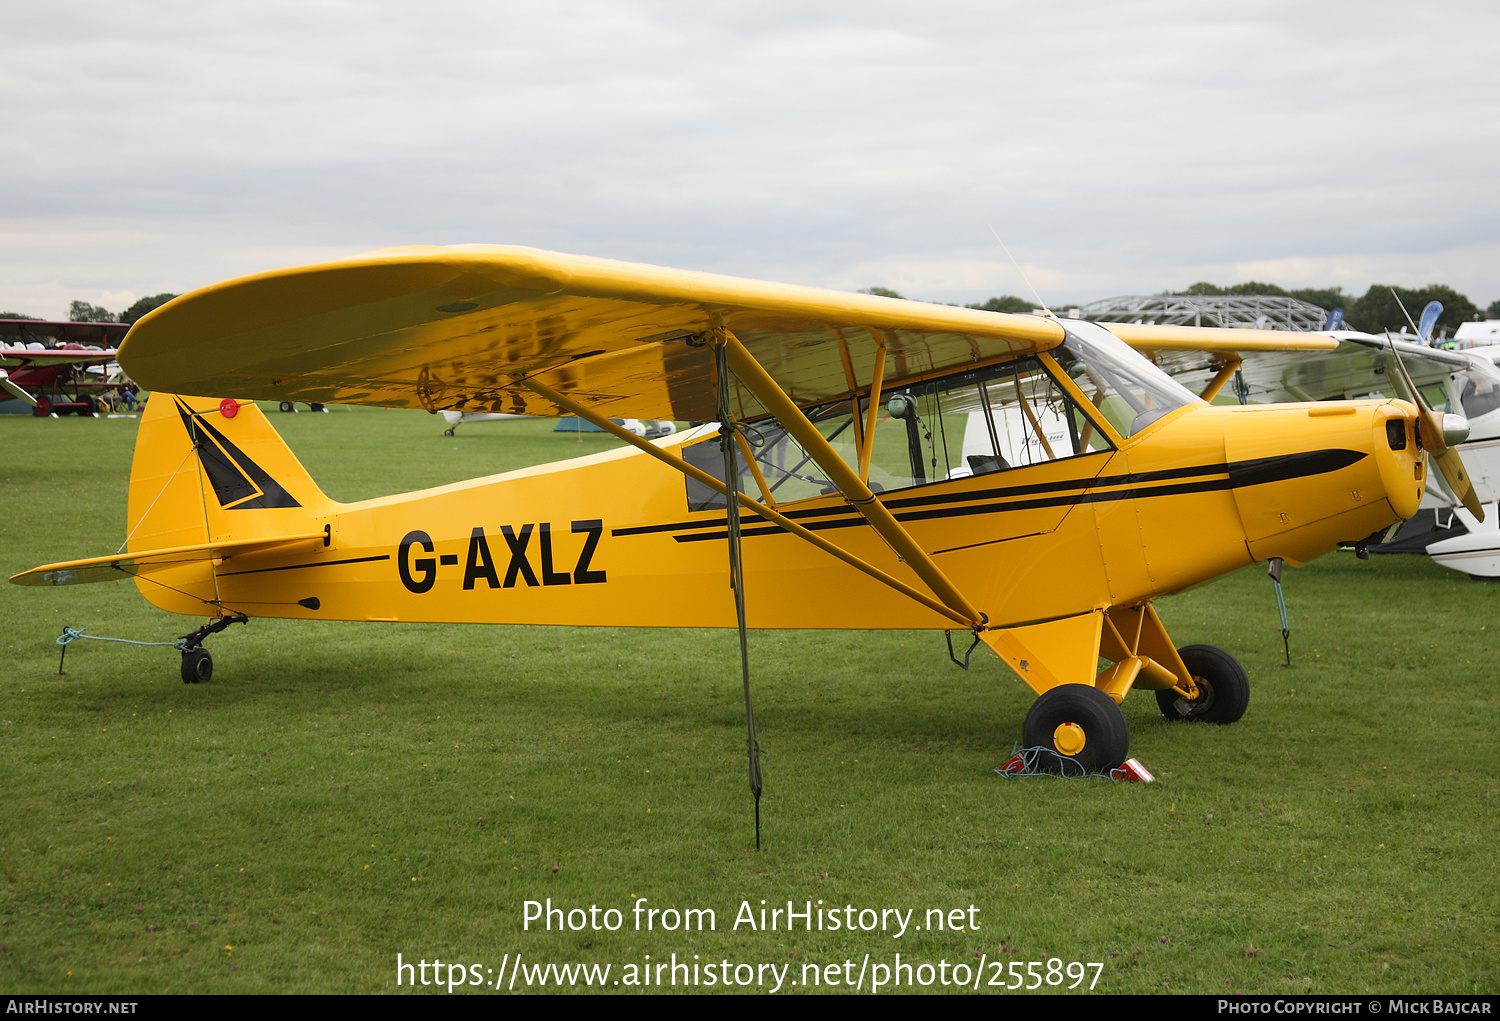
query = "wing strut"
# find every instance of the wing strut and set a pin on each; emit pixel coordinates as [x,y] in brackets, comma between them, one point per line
[1227,368]
[728,434]
[867,448]
[588,414]
[775,400]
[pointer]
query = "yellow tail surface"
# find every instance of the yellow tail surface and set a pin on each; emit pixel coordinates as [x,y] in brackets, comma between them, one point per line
[205,471]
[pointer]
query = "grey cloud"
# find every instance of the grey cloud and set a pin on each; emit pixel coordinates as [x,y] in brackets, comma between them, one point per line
[1116,146]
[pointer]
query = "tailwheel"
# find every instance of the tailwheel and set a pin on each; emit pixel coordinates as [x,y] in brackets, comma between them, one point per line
[1223,687]
[197,665]
[1078,722]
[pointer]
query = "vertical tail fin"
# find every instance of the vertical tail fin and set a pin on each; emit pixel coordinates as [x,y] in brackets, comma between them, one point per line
[208,471]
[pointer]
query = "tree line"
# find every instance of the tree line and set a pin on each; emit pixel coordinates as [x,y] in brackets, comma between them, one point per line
[84,312]
[1004,303]
[1375,311]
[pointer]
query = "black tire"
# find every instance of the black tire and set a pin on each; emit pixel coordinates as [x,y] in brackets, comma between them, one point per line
[447,432]
[1106,734]
[1223,686]
[197,666]
[288,406]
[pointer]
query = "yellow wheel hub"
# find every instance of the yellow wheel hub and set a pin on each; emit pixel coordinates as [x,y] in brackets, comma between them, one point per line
[1068,738]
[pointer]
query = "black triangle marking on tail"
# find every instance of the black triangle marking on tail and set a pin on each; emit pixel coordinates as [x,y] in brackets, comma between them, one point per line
[239,483]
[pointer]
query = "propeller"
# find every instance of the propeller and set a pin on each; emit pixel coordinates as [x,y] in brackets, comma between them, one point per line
[1440,436]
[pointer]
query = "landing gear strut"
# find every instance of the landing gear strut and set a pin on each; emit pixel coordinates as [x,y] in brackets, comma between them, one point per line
[1078,727]
[197,664]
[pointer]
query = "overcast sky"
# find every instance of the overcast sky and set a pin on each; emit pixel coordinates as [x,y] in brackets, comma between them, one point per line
[1118,148]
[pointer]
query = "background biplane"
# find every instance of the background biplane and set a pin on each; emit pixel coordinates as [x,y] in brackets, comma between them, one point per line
[1031,481]
[56,367]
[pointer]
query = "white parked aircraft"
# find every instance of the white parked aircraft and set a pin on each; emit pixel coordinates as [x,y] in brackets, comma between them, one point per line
[1458,382]
[648,428]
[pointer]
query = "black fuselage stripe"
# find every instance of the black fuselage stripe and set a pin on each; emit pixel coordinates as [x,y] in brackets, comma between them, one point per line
[984,508]
[1254,472]
[1242,474]
[316,563]
[1062,485]
[936,498]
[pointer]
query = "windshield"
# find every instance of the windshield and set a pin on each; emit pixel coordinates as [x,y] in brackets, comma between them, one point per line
[1480,396]
[1130,391]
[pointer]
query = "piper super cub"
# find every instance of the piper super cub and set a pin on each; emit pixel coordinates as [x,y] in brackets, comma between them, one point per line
[1034,481]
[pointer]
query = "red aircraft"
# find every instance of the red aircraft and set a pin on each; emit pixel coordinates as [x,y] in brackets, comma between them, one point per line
[46,364]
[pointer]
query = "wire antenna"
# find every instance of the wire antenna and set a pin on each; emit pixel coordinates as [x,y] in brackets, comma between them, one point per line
[1021,271]
[1407,314]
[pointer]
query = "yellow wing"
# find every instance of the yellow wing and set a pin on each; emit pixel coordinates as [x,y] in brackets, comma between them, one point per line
[1216,338]
[459,328]
[445,328]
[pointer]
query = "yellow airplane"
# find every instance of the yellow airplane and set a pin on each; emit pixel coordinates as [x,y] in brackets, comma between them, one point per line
[1034,481]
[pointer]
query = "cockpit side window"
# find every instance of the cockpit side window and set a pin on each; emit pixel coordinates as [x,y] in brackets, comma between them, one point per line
[1004,416]
[992,419]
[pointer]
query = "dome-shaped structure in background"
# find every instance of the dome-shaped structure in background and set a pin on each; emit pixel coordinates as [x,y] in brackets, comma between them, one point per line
[1207,310]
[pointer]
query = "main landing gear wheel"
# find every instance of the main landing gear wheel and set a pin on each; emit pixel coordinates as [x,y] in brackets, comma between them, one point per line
[1223,687]
[42,408]
[1080,722]
[447,432]
[288,406]
[197,666]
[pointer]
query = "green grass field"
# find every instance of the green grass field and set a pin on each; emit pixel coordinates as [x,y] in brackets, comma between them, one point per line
[340,793]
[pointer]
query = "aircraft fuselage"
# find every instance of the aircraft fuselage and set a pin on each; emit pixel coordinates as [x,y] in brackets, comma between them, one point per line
[609,539]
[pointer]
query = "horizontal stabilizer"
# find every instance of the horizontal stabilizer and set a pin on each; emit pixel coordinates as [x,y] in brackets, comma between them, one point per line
[128,565]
